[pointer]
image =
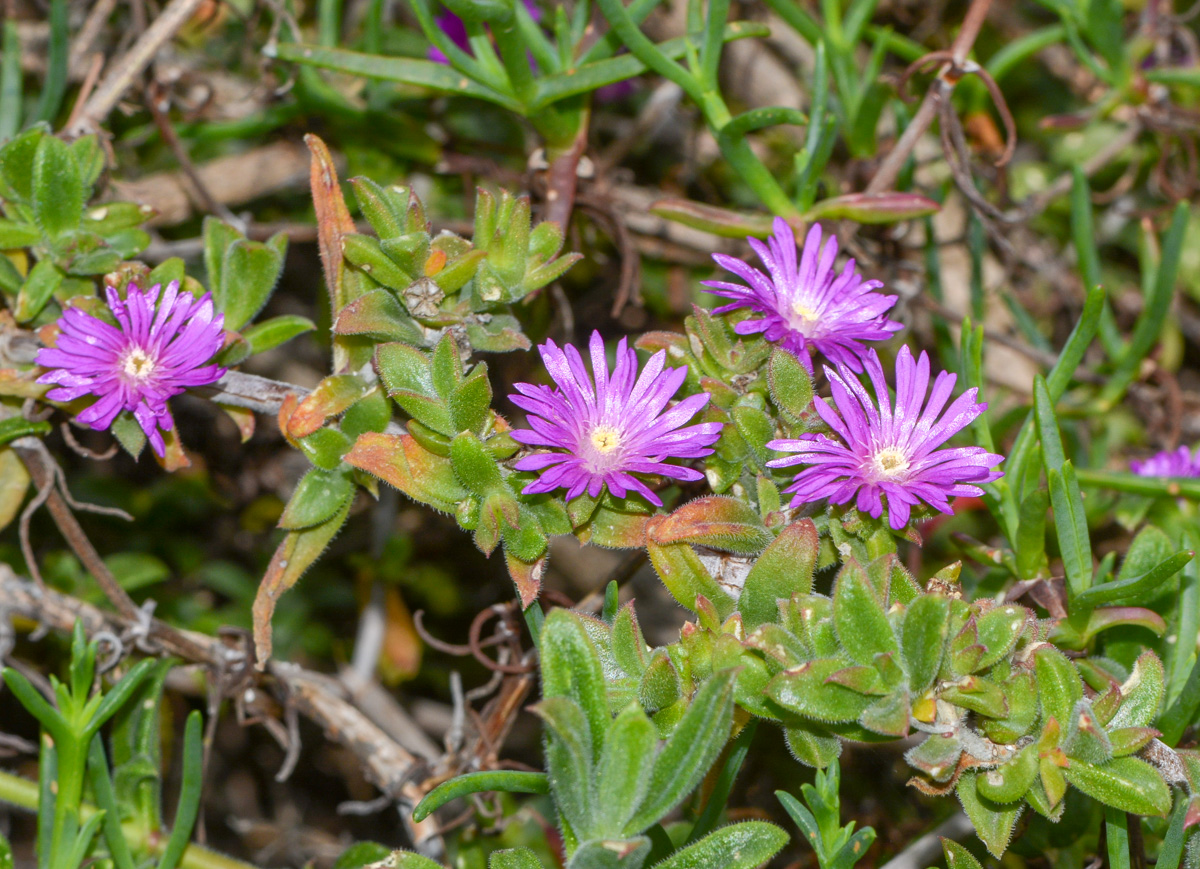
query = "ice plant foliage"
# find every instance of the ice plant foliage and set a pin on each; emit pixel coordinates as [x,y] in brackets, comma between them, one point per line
[159,348]
[890,450]
[605,429]
[805,304]
[1180,462]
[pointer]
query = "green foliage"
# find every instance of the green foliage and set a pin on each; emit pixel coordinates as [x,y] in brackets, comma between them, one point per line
[819,818]
[805,617]
[125,824]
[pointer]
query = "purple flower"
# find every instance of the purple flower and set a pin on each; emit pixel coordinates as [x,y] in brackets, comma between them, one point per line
[806,305]
[612,431]
[1169,463]
[158,349]
[456,30]
[890,451]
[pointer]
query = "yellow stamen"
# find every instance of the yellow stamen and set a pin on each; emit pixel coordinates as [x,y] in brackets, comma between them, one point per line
[605,439]
[806,314]
[890,463]
[138,364]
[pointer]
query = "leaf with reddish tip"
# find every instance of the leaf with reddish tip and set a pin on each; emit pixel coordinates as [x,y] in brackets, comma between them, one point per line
[709,218]
[333,218]
[684,574]
[286,408]
[174,457]
[333,224]
[873,207]
[242,418]
[405,464]
[717,521]
[332,397]
[298,550]
[526,576]
[14,482]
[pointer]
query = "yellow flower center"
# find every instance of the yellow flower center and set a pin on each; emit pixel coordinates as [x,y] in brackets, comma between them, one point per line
[890,463]
[605,439]
[138,364]
[804,313]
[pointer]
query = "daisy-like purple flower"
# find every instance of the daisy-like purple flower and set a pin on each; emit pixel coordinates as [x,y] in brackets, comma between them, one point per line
[1169,463]
[805,304]
[158,349]
[887,450]
[607,429]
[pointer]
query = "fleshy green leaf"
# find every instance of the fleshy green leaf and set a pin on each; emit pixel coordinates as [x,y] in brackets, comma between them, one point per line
[58,189]
[692,748]
[621,780]
[784,568]
[571,668]
[319,495]
[269,334]
[739,846]
[1126,783]
[923,641]
[503,780]
[859,617]
[993,822]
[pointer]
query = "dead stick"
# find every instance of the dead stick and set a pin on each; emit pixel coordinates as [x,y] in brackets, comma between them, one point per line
[562,178]
[317,697]
[889,169]
[41,470]
[131,65]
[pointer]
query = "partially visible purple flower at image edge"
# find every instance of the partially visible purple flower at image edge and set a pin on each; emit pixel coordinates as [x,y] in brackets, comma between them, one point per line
[456,30]
[604,430]
[159,348]
[1179,462]
[885,450]
[802,303]
[453,27]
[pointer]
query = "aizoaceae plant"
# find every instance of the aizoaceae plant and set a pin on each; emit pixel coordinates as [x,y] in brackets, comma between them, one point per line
[609,427]
[159,348]
[890,450]
[804,304]
[1179,462]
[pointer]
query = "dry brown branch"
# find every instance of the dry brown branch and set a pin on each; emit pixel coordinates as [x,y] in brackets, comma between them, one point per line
[250,391]
[124,71]
[319,698]
[889,169]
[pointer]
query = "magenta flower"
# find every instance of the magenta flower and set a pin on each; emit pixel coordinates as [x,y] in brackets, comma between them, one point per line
[456,29]
[158,349]
[890,451]
[609,432]
[806,305]
[1169,463]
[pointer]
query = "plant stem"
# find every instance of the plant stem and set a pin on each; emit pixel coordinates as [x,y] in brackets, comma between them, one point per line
[22,793]
[72,763]
[889,169]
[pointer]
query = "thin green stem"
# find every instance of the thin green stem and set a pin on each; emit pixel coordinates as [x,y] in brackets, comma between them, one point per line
[72,765]
[23,793]
[1116,829]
